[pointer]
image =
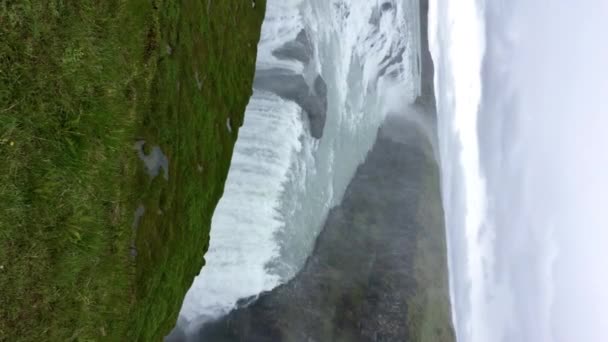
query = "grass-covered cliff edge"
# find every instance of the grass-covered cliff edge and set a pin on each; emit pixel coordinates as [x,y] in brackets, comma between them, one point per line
[80,83]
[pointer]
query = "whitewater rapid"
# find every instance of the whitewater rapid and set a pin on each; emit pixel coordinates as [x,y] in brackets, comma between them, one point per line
[521,90]
[354,61]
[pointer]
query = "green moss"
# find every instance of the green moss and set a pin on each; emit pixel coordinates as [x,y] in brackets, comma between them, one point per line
[80,81]
[203,80]
[429,315]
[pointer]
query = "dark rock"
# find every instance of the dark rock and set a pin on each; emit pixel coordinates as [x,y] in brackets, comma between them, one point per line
[291,86]
[300,49]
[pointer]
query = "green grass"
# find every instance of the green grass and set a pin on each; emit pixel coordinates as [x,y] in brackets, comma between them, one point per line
[429,313]
[80,81]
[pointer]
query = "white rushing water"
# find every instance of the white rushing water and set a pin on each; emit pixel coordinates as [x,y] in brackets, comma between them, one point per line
[521,90]
[282,180]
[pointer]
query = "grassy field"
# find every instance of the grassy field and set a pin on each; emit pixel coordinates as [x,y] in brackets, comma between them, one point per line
[80,82]
[429,316]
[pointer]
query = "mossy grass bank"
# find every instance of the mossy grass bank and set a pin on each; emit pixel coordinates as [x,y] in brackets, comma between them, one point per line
[80,83]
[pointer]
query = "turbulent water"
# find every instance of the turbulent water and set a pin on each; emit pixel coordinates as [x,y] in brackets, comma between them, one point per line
[328,72]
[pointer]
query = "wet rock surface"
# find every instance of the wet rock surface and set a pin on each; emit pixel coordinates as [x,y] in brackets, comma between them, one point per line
[154,162]
[292,86]
[300,49]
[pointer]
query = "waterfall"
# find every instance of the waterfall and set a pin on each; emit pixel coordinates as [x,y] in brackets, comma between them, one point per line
[327,74]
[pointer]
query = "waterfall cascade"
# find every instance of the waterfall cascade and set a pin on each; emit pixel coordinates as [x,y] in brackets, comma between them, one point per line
[327,74]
